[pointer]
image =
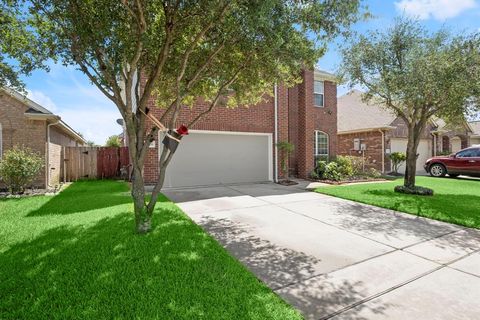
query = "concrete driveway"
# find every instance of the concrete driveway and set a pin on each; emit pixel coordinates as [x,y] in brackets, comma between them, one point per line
[339,259]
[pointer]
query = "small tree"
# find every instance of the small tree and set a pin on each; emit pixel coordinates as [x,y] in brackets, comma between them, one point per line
[19,167]
[416,75]
[113,141]
[397,158]
[286,148]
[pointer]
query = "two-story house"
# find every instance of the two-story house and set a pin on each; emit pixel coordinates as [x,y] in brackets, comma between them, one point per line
[239,145]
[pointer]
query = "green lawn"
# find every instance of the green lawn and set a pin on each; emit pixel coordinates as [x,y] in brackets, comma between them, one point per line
[455,200]
[75,256]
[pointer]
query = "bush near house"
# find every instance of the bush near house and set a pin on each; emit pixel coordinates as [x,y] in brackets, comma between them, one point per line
[19,167]
[343,168]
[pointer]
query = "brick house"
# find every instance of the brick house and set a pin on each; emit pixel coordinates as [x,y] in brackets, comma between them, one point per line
[373,132]
[238,145]
[23,122]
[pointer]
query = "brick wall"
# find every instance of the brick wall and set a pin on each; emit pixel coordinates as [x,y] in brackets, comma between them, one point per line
[19,131]
[326,117]
[373,152]
[55,163]
[297,120]
[58,137]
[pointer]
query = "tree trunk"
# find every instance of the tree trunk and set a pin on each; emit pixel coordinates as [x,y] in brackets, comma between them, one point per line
[411,162]
[143,218]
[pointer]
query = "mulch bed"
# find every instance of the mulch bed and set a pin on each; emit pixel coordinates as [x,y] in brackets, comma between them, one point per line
[332,182]
[287,183]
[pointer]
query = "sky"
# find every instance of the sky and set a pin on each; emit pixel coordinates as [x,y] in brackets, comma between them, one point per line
[68,93]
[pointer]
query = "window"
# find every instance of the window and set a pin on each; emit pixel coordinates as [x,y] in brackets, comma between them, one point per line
[321,144]
[1,141]
[470,153]
[318,89]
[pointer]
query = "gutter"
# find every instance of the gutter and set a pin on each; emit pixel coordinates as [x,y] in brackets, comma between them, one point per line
[275,179]
[383,150]
[386,128]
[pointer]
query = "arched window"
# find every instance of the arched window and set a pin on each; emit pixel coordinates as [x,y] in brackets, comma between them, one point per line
[321,144]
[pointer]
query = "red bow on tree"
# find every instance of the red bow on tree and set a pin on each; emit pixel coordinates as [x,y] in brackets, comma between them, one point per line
[182,130]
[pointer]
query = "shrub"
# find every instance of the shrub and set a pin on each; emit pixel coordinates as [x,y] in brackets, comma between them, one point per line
[332,172]
[345,166]
[421,191]
[19,167]
[320,168]
[285,148]
[374,173]
[397,159]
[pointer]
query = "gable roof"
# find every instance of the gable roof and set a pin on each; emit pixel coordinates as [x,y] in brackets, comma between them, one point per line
[475,125]
[37,111]
[356,115]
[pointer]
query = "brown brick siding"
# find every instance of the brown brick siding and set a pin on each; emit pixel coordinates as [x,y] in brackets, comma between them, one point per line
[297,120]
[17,130]
[55,164]
[373,152]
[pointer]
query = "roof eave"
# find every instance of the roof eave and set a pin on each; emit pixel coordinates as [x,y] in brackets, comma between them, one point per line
[323,75]
[383,128]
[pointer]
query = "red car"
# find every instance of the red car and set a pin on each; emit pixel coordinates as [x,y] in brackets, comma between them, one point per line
[465,162]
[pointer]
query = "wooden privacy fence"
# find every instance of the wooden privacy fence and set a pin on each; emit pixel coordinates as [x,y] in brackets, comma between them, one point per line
[94,162]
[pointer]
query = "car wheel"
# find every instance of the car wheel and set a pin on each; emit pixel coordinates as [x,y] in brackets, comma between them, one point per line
[453,175]
[437,170]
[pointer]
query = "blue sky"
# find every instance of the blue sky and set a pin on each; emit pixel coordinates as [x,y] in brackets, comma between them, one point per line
[67,92]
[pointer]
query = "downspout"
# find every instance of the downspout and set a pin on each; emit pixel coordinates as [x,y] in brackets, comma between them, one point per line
[383,150]
[276,131]
[47,155]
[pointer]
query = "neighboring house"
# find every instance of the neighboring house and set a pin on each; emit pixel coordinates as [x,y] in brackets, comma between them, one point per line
[238,145]
[475,138]
[373,132]
[23,122]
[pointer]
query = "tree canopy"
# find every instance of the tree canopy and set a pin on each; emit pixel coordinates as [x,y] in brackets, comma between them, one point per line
[21,50]
[225,52]
[417,75]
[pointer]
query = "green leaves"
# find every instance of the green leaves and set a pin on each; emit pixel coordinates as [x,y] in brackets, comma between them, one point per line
[415,73]
[21,50]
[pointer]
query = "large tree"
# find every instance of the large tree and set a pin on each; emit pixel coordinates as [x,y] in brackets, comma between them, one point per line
[225,52]
[417,75]
[21,50]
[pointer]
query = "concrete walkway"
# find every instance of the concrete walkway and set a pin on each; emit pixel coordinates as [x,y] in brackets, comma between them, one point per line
[338,259]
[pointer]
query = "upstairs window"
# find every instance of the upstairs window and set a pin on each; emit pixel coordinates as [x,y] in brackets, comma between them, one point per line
[318,93]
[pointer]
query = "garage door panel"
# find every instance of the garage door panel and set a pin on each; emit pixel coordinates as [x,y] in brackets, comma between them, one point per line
[216,158]
[424,150]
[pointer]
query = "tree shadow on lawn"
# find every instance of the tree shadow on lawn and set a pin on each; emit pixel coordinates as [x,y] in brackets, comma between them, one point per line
[106,271]
[453,208]
[84,196]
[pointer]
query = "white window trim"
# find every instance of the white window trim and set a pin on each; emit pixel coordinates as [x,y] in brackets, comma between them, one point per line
[316,143]
[323,94]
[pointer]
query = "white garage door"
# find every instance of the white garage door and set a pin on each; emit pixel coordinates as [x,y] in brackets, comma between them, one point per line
[424,150]
[209,158]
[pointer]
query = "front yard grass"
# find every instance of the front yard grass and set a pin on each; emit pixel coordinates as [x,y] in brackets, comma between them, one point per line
[455,200]
[75,256]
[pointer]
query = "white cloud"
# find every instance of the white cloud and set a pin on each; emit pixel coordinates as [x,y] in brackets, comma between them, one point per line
[96,124]
[42,99]
[438,9]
